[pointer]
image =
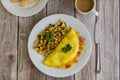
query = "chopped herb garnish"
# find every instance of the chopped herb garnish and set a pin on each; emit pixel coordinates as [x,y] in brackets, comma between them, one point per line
[67,48]
[48,37]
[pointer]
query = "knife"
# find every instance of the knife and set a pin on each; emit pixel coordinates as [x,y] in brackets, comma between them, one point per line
[97,42]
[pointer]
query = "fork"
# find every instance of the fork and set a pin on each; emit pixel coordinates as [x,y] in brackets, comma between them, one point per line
[22,36]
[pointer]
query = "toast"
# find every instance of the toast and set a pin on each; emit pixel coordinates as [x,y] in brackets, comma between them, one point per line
[15,1]
[26,2]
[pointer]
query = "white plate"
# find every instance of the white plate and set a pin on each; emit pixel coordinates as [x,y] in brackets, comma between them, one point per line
[38,59]
[26,11]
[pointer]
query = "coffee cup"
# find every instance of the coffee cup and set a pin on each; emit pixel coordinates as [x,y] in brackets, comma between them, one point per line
[86,7]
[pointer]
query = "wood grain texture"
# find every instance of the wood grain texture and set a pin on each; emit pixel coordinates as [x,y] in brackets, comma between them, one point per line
[109,15]
[30,72]
[11,26]
[8,45]
[60,7]
[88,72]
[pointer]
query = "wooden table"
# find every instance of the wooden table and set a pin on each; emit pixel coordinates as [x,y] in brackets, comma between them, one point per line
[11,26]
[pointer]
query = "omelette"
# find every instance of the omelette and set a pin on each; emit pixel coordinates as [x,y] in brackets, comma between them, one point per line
[73,61]
[66,53]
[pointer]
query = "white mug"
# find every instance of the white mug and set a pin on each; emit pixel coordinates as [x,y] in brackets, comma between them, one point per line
[93,11]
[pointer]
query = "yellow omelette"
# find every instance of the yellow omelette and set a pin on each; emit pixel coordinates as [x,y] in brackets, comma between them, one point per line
[58,57]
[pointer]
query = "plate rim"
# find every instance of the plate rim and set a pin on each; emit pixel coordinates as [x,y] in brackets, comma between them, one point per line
[24,15]
[76,64]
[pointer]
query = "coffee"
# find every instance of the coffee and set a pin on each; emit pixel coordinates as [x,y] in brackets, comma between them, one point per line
[85,5]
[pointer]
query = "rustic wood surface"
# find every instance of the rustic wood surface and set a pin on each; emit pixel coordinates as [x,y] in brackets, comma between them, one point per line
[11,26]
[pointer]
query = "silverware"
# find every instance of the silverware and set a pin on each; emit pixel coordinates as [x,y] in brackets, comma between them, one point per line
[97,42]
[22,35]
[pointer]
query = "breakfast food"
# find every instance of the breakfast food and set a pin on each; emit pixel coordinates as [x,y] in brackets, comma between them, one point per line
[73,61]
[15,1]
[50,37]
[65,51]
[24,2]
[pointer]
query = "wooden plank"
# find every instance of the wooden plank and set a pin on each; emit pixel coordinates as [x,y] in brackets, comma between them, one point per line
[60,7]
[8,45]
[30,72]
[65,78]
[109,15]
[88,72]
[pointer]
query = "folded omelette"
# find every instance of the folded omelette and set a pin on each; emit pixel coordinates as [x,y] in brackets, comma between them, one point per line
[66,52]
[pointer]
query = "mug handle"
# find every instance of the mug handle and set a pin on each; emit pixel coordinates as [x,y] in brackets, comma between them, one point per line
[95,12]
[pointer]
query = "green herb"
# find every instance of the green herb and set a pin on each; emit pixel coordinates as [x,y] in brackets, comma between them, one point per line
[48,37]
[67,48]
